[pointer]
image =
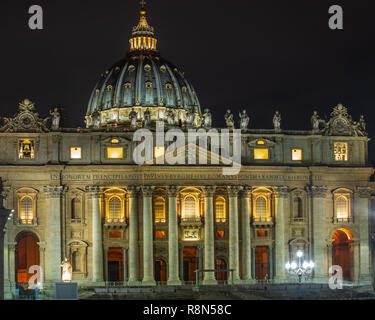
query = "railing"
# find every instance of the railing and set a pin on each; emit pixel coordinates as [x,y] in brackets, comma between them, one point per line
[190,220]
[221,220]
[115,220]
[298,219]
[262,219]
[27,222]
[161,220]
[343,220]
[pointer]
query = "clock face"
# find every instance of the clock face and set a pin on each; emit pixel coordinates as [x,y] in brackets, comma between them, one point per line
[27,121]
[340,125]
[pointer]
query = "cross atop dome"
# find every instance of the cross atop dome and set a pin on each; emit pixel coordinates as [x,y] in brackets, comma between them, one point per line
[143,4]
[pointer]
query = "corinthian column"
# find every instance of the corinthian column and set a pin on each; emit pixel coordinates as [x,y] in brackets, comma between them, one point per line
[54,195]
[148,248]
[209,244]
[319,194]
[233,232]
[173,277]
[133,236]
[97,237]
[362,199]
[246,238]
[282,208]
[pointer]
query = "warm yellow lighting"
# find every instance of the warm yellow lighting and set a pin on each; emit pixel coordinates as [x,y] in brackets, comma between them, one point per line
[342,207]
[115,141]
[341,151]
[159,152]
[75,153]
[260,154]
[260,142]
[296,154]
[115,153]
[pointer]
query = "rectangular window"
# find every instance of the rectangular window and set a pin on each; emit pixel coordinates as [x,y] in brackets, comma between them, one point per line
[115,235]
[26,149]
[261,233]
[75,153]
[296,154]
[160,234]
[341,151]
[260,154]
[115,153]
[220,234]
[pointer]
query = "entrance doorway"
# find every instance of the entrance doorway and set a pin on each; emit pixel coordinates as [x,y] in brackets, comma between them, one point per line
[27,255]
[261,263]
[342,252]
[221,276]
[115,265]
[190,263]
[160,271]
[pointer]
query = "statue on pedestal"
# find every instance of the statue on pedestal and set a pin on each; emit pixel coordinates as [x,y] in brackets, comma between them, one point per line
[56,116]
[170,117]
[66,271]
[189,117]
[229,120]
[96,119]
[277,120]
[207,118]
[147,117]
[133,116]
[244,120]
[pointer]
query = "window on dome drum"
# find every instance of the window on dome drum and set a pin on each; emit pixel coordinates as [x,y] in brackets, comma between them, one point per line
[341,151]
[296,154]
[26,210]
[220,209]
[261,154]
[262,209]
[190,209]
[26,149]
[342,204]
[159,210]
[75,153]
[115,153]
[115,211]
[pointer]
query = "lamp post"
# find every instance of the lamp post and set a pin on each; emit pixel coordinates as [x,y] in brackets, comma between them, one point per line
[5,215]
[299,269]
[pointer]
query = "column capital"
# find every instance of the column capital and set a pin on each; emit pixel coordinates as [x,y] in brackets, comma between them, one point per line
[364,192]
[12,246]
[281,191]
[209,191]
[246,191]
[132,191]
[55,192]
[172,191]
[317,191]
[234,190]
[93,191]
[147,190]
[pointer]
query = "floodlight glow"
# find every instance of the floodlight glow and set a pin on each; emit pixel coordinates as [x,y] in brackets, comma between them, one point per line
[293,265]
[299,253]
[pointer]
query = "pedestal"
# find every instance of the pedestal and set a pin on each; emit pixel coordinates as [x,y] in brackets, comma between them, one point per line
[66,291]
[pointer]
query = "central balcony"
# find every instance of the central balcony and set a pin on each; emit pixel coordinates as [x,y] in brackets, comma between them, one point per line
[262,222]
[115,223]
[191,221]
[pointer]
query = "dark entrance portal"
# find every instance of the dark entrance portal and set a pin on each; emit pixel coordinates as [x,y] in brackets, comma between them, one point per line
[191,260]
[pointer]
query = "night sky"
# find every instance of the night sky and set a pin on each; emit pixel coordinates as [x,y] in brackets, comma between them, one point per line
[259,55]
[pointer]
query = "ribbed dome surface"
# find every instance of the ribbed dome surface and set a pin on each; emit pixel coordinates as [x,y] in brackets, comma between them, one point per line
[144,80]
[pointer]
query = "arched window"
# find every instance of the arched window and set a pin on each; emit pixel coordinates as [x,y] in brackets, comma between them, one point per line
[220,209]
[159,210]
[114,208]
[189,208]
[26,210]
[76,209]
[261,208]
[342,207]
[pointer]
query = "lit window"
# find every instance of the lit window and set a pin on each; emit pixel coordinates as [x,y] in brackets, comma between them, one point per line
[220,234]
[115,234]
[160,234]
[115,153]
[26,149]
[260,154]
[220,209]
[296,154]
[26,210]
[114,209]
[159,209]
[189,212]
[262,233]
[75,153]
[341,151]
[342,207]
[261,209]
[159,152]
[260,142]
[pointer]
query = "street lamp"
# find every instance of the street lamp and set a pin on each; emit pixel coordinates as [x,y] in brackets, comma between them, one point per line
[300,268]
[5,215]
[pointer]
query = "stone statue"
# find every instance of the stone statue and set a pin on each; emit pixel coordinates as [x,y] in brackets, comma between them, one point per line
[133,116]
[147,117]
[189,117]
[207,118]
[66,271]
[96,119]
[277,120]
[315,121]
[56,116]
[362,124]
[244,120]
[170,117]
[229,120]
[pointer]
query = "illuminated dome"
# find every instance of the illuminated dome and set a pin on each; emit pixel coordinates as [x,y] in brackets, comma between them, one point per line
[143,80]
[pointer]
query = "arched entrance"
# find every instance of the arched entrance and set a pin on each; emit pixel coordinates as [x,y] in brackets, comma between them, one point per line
[27,255]
[160,271]
[342,252]
[221,276]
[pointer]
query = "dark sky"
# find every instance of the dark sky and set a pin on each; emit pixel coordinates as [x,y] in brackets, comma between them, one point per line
[259,55]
